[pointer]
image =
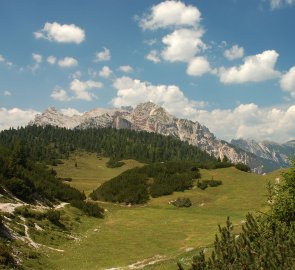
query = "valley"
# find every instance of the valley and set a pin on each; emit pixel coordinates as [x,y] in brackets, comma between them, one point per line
[156,230]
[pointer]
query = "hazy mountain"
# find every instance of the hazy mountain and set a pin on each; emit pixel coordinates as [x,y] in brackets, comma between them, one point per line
[279,153]
[153,118]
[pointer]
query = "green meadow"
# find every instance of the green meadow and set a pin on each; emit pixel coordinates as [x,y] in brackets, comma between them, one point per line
[156,233]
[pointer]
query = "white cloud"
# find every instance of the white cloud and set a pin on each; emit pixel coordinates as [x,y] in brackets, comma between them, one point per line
[63,33]
[126,69]
[169,14]
[235,52]
[105,72]
[131,92]
[246,120]
[153,56]
[7,93]
[182,44]
[287,82]
[81,89]
[256,68]
[279,3]
[60,95]
[68,62]
[70,112]
[2,59]
[104,55]
[76,75]
[250,121]
[198,66]
[15,117]
[37,58]
[51,59]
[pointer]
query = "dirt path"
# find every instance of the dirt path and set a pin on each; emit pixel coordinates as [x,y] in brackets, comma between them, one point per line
[141,264]
[9,207]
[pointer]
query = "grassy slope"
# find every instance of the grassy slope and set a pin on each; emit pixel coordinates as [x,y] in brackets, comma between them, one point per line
[91,171]
[131,234]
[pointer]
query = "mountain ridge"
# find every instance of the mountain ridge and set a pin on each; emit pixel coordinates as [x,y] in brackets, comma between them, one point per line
[154,118]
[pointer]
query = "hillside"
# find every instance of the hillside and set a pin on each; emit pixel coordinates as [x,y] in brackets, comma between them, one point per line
[157,228]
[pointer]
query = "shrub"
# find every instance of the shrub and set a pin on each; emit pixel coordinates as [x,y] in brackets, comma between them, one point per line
[182,202]
[20,188]
[89,208]
[53,216]
[6,257]
[242,167]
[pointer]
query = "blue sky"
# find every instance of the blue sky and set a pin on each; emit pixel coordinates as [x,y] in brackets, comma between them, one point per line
[227,64]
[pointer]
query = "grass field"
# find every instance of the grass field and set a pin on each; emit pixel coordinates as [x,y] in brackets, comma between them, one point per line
[156,231]
[91,171]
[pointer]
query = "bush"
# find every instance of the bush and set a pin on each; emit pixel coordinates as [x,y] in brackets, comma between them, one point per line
[202,185]
[29,213]
[212,183]
[182,202]
[89,208]
[6,257]
[20,188]
[242,167]
[53,216]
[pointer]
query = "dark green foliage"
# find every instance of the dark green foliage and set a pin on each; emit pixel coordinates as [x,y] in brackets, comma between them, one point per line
[242,167]
[53,216]
[208,183]
[29,180]
[158,179]
[201,185]
[266,242]
[20,188]
[29,213]
[6,258]
[49,144]
[91,209]
[182,202]
[128,187]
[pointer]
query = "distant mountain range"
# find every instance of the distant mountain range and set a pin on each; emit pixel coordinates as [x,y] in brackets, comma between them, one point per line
[260,156]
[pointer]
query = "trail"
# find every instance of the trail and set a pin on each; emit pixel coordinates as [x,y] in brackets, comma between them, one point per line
[141,264]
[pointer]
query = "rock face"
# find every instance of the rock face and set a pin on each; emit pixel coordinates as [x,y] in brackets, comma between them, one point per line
[153,118]
[278,153]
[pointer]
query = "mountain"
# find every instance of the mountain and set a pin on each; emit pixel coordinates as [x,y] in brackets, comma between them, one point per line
[153,118]
[279,153]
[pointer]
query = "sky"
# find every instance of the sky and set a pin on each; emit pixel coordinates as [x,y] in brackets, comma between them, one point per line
[229,65]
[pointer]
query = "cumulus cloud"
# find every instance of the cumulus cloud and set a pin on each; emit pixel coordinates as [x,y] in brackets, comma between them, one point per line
[182,45]
[82,89]
[287,82]
[280,3]
[7,93]
[2,59]
[60,95]
[250,121]
[153,56]
[51,59]
[126,69]
[131,92]
[256,68]
[37,59]
[198,66]
[70,112]
[104,55]
[15,117]
[68,62]
[63,33]
[170,14]
[105,72]
[235,52]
